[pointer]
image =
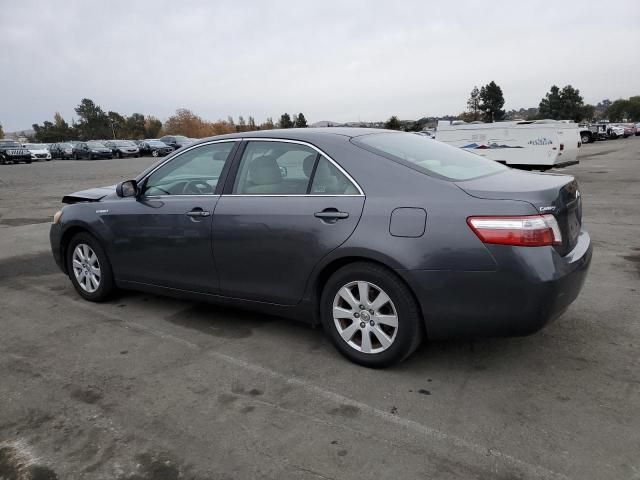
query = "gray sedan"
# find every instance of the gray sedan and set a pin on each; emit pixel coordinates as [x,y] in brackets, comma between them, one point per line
[383,238]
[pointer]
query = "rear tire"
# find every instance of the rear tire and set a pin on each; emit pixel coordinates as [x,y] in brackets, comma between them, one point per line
[389,340]
[79,246]
[585,139]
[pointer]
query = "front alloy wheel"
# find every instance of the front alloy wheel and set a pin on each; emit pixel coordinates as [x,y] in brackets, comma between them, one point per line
[89,268]
[365,317]
[86,268]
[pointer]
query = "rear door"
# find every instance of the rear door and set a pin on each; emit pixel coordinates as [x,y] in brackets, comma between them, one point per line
[286,205]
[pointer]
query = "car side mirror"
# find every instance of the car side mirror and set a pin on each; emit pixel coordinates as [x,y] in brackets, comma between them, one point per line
[128,188]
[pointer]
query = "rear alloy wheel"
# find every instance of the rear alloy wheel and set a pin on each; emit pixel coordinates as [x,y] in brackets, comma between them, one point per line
[371,315]
[585,139]
[89,268]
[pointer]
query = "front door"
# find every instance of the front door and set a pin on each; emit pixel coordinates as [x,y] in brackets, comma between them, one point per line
[163,237]
[289,207]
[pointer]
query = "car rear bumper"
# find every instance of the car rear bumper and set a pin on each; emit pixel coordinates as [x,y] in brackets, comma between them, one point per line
[532,287]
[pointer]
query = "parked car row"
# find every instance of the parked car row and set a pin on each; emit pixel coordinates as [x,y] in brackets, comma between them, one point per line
[607,131]
[14,152]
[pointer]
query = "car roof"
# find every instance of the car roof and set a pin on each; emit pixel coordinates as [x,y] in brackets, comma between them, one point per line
[308,134]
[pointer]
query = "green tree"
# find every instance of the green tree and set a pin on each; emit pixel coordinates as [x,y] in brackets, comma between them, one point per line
[491,102]
[634,108]
[622,109]
[152,127]
[135,126]
[1,131]
[118,125]
[392,124]
[285,121]
[301,122]
[565,104]
[588,112]
[56,131]
[251,124]
[473,105]
[551,105]
[93,122]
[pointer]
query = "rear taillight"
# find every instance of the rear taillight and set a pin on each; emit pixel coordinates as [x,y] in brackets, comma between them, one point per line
[527,231]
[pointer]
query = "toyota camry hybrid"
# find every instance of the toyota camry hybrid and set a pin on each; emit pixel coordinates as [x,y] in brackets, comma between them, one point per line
[383,238]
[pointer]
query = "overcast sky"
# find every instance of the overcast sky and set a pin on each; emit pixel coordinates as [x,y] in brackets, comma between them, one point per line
[340,61]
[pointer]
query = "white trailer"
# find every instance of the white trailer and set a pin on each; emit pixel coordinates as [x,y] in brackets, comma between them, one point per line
[531,145]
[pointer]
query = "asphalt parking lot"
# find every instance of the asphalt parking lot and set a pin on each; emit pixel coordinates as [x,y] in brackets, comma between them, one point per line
[146,388]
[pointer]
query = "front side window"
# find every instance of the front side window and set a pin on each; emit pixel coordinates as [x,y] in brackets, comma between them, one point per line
[195,172]
[428,156]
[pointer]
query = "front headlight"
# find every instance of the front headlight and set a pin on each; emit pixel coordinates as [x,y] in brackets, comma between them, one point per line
[57,217]
[94,151]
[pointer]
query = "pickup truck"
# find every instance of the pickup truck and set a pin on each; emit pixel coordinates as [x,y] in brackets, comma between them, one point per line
[13,152]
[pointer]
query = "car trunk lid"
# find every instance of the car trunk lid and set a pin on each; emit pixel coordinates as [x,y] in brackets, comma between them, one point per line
[549,193]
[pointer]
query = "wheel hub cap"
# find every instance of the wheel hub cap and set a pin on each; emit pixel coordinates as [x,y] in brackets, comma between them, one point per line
[86,268]
[365,317]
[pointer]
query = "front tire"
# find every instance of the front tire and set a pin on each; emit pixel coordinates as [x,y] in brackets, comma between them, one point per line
[89,268]
[154,153]
[585,139]
[371,315]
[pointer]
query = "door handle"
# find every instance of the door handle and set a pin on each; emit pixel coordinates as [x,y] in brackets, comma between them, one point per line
[198,213]
[331,214]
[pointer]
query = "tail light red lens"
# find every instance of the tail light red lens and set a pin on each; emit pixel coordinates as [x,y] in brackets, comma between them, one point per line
[525,231]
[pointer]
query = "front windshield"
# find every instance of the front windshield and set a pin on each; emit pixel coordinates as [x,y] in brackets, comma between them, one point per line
[180,138]
[95,145]
[124,143]
[35,146]
[9,144]
[428,156]
[157,143]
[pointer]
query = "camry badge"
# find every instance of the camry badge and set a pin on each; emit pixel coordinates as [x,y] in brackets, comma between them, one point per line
[547,209]
[100,212]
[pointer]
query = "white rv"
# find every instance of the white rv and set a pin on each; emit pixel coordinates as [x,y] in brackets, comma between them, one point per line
[538,144]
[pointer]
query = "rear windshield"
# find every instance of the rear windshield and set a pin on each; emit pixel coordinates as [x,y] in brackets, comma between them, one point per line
[429,156]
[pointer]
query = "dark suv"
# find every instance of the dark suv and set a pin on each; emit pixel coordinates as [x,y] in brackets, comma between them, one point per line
[123,148]
[91,150]
[11,151]
[63,151]
[176,141]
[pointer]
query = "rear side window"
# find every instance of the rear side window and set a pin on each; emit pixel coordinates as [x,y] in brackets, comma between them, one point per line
[428,156]
[275,168]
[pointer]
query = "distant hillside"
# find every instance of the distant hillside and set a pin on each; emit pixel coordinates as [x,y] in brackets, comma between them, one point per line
[325,123]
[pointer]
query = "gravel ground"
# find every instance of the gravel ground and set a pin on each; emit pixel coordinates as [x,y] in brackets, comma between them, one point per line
[146,387]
